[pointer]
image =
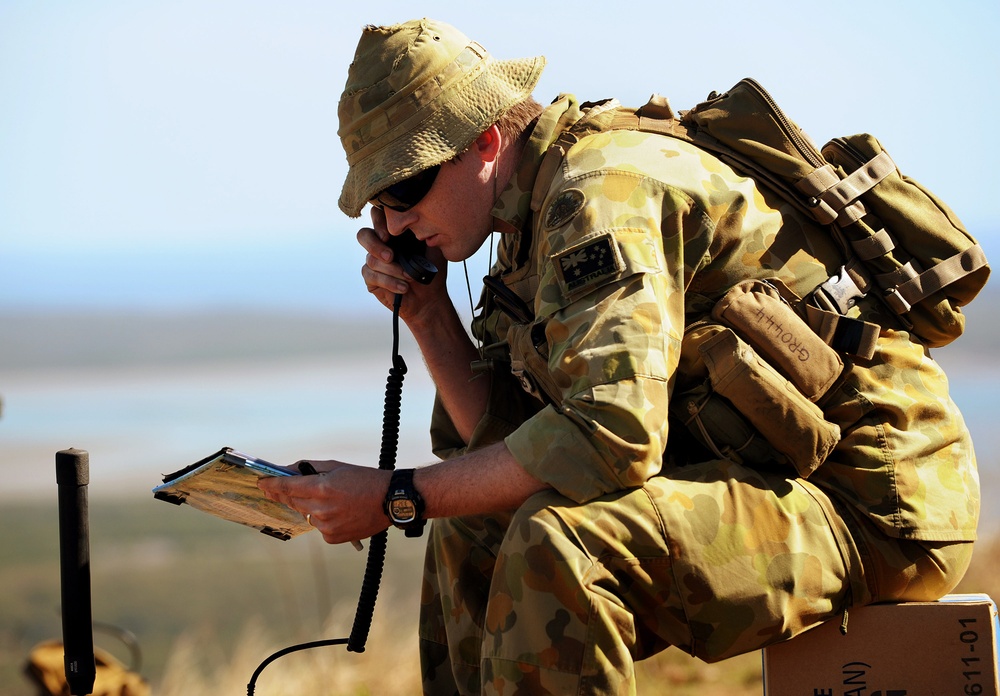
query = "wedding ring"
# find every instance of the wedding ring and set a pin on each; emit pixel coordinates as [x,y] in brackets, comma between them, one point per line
[309,520]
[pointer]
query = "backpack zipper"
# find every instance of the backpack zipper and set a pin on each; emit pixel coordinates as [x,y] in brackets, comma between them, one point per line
[805,148]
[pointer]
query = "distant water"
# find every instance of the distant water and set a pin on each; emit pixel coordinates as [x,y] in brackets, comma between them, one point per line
[139,423]
[321,273]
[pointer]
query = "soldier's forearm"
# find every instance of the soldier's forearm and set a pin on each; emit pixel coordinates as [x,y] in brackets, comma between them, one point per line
[480,482]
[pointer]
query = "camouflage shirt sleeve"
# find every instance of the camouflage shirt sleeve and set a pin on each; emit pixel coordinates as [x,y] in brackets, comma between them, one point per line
[632,228]
[611,266]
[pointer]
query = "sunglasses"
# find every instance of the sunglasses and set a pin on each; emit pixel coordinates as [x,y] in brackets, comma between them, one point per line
[405,194]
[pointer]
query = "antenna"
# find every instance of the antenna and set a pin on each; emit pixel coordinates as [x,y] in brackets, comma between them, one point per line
[72,477]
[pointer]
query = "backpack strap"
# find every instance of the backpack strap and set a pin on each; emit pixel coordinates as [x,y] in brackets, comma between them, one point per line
[844,334]
[918,286]
[596,118]
[837,199]
[833,298]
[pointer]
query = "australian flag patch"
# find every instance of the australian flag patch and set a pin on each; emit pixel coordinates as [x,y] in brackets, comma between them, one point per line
[588,263]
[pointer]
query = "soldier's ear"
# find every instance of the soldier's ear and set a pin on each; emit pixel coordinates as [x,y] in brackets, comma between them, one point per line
[487,145]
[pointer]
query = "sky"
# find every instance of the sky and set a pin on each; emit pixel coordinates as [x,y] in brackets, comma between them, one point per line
[183,154]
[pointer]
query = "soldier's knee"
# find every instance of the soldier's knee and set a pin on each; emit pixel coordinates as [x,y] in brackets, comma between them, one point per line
[931,570]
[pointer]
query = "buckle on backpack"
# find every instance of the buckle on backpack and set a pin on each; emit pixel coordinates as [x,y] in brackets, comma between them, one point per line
[839,292]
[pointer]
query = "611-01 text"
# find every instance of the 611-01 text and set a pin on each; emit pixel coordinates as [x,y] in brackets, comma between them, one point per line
[969,636]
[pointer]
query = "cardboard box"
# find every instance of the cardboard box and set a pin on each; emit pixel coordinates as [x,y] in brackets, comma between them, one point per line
[905,649]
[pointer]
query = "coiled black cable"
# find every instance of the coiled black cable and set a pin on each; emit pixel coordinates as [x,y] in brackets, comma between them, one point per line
[387,460]
[377,544]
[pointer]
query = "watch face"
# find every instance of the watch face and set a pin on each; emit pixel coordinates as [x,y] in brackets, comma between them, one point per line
[402,510]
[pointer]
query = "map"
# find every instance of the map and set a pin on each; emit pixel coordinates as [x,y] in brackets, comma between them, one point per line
[225,485]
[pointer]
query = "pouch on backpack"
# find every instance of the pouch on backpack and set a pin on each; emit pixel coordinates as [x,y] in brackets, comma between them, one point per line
[758,313]
[901,243]
[934,265]
[721,429]
[746,410]
[791,423]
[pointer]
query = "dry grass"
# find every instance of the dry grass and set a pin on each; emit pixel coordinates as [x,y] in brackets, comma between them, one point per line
[390,667]
[209,603]
[984,572]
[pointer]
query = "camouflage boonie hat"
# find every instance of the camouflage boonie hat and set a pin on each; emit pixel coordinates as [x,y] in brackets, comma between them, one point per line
[417,95]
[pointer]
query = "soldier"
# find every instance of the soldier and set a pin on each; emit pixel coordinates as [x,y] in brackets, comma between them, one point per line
[587,512]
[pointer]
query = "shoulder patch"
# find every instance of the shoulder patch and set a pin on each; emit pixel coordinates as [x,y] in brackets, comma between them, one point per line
[564,208]
[588,263]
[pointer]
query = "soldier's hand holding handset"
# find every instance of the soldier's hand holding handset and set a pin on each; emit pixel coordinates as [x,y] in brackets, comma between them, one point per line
[385,277]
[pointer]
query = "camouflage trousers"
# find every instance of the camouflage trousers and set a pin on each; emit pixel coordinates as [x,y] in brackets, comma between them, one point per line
[716,559]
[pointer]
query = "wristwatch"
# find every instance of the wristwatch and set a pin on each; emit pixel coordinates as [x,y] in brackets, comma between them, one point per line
[403,505]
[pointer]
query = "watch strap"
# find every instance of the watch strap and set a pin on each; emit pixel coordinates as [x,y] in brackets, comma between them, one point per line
[401,486]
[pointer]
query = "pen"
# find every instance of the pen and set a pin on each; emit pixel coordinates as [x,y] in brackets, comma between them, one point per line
[308,469]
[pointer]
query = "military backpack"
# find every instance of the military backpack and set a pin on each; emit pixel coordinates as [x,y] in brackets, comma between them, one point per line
[901,246]
[901,243]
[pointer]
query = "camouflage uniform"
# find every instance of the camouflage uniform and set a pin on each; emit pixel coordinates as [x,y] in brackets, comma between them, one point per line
[643,541]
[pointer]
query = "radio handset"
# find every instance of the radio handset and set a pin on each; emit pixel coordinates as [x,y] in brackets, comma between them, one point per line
[409,252]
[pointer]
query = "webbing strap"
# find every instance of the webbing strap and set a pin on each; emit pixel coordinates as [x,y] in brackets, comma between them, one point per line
[878,244]
[812,185]
[841,333]
[838,199]
[893,279]
[936,278]
[851,214]
[818,180]
[649,124]
[858,182]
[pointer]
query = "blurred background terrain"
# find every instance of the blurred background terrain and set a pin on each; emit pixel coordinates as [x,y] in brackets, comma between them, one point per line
[175,277]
